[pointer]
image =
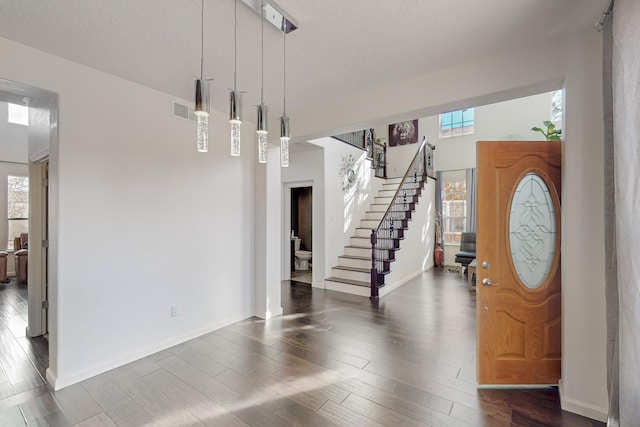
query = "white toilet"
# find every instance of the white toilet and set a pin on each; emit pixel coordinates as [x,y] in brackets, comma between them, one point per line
[302,257]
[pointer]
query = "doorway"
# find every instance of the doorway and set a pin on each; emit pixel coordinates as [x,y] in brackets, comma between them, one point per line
[36,154]
[301,234]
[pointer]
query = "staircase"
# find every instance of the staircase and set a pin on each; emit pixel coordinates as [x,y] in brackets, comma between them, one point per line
[353,272]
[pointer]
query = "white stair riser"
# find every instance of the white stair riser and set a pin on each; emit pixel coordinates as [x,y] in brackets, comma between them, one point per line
[386,193]
[393,181]
[363,232]
[374,215]
[382,200]
[347,289]
[360,241]
[358,263]
[378,208]
[369,223]
[363,252]
[351,275]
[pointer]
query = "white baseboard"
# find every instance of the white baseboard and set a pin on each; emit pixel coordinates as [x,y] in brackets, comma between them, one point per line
[59,383]
[269,314]
[581,408]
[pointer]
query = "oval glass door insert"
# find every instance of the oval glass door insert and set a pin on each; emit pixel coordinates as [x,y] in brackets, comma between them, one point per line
[532,230]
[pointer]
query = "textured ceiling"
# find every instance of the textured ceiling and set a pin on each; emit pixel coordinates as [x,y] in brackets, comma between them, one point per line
[341,47]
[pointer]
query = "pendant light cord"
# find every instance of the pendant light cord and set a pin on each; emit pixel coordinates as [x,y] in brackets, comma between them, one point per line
[284,73]
[202,41]
[235,42]
[262,64]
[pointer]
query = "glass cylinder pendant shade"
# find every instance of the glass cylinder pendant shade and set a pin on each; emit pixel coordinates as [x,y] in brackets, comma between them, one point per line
[284,152]
[235,120]
[284,141]
[203,132]
[262,133]
[201,111]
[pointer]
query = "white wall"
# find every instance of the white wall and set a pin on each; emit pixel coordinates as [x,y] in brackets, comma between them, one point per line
[344,208]
[513,74]
[416,249]
[508,120]
[145,222]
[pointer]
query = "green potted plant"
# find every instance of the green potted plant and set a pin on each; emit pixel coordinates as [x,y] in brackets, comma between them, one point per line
[551,134]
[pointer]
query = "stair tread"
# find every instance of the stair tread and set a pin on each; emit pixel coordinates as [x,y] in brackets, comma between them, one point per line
[356,269]
[350,282]
[363,258]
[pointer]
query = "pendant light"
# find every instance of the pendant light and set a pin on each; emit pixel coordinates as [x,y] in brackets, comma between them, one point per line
[235,97]
[201,109]
[261,124]
[284,120]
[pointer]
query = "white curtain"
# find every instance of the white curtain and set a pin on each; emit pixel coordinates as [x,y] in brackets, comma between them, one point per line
[439,185]
[622,203]
[471,199]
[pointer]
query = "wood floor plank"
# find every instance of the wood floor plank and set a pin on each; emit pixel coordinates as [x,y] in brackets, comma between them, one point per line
[210,387]
[298,415]
[201,361]
[38,408]
[22,396]
[76,403]
[500,418]
[320,383]
[204,409]
[100,420]
[290,389]
[11,417]
[428,404]
[156,403]
[379,413]
[115,402]
[344,416]
[14,360]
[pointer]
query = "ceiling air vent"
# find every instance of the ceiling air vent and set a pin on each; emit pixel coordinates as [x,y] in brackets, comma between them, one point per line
[183,111]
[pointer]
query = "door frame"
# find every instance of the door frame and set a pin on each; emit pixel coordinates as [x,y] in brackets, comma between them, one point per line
[42,147]
[286,225]
[37,268]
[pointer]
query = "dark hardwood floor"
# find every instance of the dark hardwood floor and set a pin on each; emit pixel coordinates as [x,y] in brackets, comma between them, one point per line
[331,359]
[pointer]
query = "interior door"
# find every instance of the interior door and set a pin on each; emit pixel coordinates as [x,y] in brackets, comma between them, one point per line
[518,256]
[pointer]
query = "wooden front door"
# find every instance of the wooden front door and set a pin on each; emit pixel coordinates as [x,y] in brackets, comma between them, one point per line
[518,257]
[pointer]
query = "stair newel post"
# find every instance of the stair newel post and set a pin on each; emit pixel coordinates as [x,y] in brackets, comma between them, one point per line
[374,270]
[384,154]
[424,162]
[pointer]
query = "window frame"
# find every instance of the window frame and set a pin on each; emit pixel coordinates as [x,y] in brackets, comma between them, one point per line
[10,239]
[456,196]
[464,126]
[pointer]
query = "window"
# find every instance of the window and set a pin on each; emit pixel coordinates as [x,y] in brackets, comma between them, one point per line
[556,105]
[18,114]
[17,207]
[454,208]
[454,123]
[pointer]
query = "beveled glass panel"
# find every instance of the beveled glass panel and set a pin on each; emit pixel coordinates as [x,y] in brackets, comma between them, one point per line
[532,230]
